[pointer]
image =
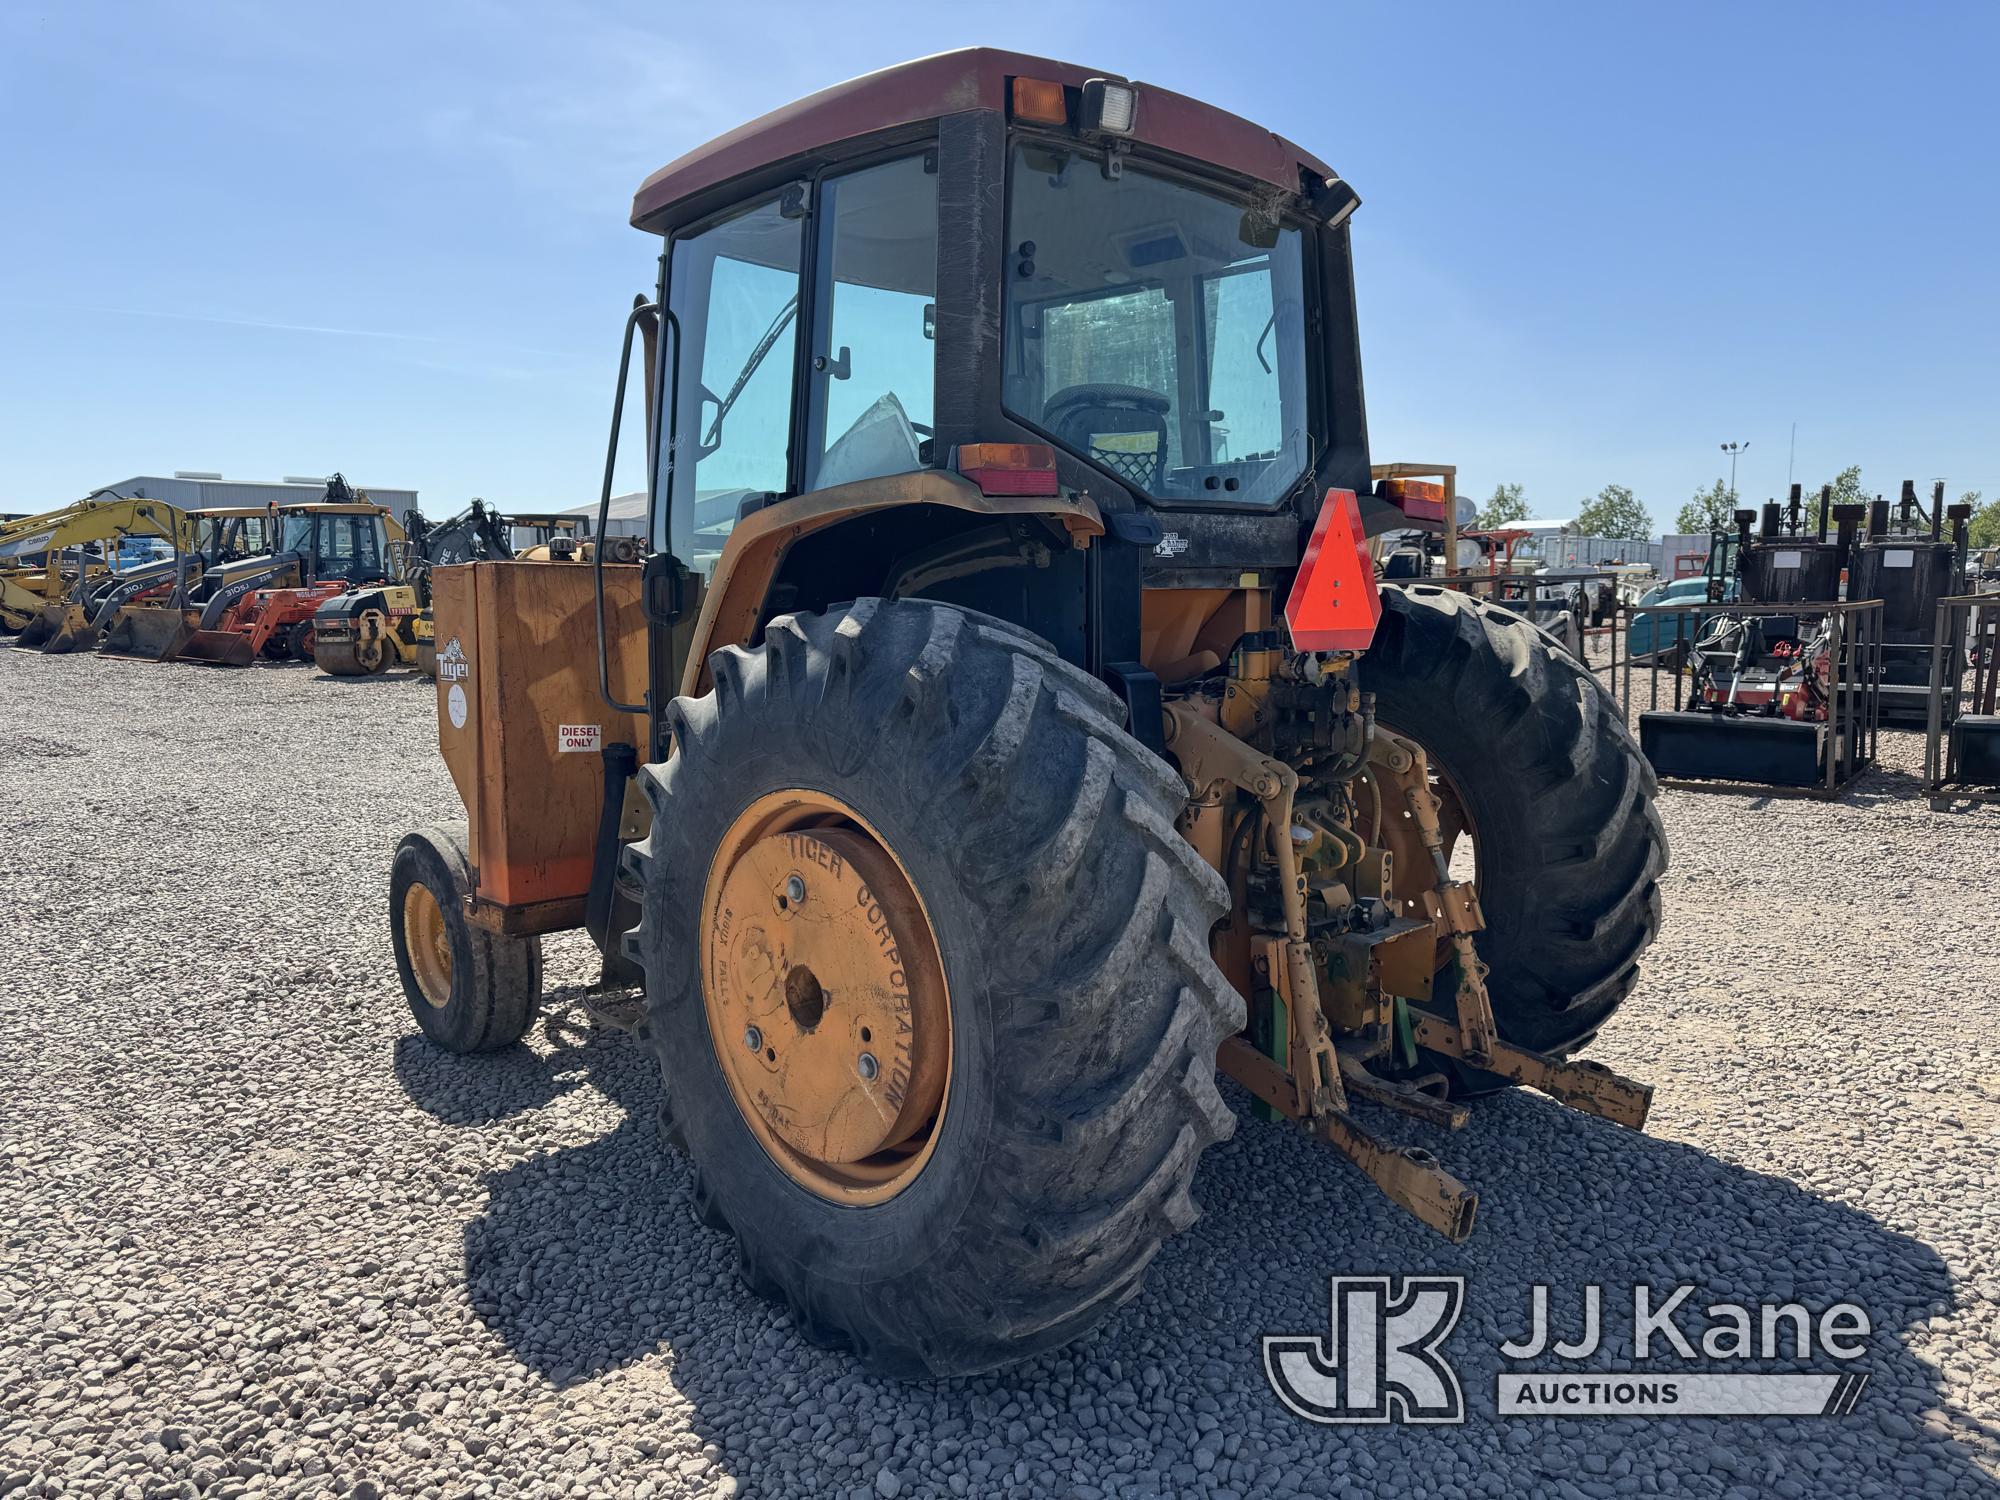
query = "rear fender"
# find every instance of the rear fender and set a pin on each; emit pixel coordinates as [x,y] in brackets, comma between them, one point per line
[733,602]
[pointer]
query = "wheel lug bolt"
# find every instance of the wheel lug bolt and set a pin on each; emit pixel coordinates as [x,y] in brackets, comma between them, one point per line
[753,1039]
[795,890]
[867,1067]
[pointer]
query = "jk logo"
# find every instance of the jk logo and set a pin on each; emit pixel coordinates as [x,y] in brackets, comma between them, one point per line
[1379,1360]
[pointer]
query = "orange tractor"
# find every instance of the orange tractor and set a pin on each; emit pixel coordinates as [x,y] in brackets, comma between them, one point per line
[1005,727]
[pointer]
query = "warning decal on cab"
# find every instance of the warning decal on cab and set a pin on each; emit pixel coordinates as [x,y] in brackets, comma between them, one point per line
[579,737]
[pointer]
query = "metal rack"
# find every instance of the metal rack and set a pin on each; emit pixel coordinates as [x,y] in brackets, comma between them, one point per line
[1845,743]
[1964,691]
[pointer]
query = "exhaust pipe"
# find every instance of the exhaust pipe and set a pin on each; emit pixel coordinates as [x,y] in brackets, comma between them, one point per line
[1848,519]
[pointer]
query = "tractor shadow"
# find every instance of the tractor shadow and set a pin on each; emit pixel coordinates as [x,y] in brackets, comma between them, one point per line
[481,1088]
[590,1258]
[1568,1201]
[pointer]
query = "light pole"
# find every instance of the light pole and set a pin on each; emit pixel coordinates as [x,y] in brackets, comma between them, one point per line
[1732,449]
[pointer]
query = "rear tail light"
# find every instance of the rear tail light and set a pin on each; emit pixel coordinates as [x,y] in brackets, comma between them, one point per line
[1009,468]
[1039,102]
[1334,604]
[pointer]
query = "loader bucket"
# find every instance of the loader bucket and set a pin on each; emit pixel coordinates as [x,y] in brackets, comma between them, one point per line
[39,631]
[73,632]
[218,648]
[151,633]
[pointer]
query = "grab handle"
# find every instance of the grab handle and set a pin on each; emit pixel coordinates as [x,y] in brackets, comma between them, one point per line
[641,311]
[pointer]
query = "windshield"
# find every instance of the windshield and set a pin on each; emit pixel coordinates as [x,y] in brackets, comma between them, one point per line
[296,531]
[1156,329]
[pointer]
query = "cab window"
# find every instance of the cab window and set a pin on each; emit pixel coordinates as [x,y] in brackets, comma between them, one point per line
[873,344]
[734,290]
[1157,329]
[349,546]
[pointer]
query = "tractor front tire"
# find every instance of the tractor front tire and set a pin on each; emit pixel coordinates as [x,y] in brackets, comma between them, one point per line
[470,989]
[1072,993]
[1558,799]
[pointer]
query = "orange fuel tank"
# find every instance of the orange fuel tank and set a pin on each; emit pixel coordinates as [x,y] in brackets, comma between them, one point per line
[521,725]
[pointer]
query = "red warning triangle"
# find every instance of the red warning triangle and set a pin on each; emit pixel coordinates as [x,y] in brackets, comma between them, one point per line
[1334,604]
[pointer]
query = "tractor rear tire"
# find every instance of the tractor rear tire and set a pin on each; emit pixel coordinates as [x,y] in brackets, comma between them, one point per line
[1071,928]
[470,989]
[299,641]
[1559,799]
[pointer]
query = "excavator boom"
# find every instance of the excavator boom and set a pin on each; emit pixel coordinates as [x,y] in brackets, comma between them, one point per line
[42,600]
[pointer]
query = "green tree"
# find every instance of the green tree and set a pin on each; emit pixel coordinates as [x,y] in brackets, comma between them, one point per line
[1505,505]
[1615,512]
[1710,510]
[1985,528]
[1847,488]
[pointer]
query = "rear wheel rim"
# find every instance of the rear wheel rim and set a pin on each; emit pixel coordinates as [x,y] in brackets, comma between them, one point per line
[825,997]
[428,944]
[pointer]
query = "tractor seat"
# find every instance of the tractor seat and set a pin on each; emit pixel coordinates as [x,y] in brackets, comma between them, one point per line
[1121,427]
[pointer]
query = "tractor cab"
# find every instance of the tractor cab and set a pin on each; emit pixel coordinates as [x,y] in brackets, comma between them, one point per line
[230,533]
[336,541]
[995,278]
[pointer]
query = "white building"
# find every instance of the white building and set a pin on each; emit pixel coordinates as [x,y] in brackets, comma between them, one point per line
[192,488]
[1554,540]
[627,516]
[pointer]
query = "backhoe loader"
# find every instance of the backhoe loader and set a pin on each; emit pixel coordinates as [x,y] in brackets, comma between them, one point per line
[50,562]
[223,537]
[1006,726]
[224,613]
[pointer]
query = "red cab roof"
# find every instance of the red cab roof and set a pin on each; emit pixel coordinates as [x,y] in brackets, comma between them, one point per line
[947,83]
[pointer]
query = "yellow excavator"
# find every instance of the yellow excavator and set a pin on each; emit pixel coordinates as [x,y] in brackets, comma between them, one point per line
[41,589]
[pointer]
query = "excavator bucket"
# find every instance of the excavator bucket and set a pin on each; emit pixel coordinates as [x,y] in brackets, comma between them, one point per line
[150,632]
[218,648]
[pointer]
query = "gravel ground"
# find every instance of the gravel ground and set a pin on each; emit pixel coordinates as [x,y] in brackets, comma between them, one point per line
[260,1239]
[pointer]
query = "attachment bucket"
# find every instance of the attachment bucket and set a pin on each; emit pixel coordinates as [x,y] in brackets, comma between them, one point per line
[73,632]
[218,648]
[149,631]
[37,633]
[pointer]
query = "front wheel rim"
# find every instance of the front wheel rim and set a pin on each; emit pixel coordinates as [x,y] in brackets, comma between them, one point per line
[428,944]
[825,997]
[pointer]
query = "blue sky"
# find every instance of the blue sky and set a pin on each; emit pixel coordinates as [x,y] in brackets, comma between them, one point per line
[1595,241]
